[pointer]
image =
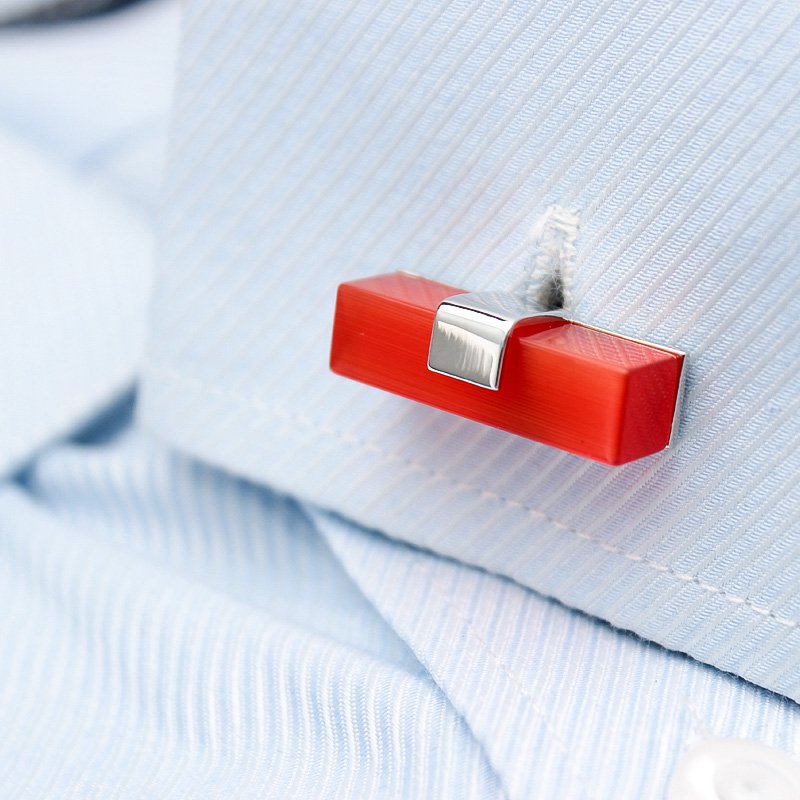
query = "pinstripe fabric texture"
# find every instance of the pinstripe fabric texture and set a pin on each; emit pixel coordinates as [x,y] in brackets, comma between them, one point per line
[565,706]
[316,142]
[170,631]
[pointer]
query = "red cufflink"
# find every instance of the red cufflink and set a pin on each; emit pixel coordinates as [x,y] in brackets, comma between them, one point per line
[486,357]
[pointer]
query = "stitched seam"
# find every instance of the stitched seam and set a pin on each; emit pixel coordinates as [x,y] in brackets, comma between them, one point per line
[404,635]
[273,410]
[534,704]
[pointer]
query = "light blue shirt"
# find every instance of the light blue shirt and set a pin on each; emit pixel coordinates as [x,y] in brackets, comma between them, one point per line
[178,624]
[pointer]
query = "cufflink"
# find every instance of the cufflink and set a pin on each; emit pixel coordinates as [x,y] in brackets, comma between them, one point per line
[487,357]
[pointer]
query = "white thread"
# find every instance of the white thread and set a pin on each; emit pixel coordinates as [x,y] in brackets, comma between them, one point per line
[550,726]
[554,235]
[275,411]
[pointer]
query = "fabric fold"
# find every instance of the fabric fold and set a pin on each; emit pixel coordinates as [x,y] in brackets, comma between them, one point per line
[169,630]
[564,705]
[353,139]
[73,293]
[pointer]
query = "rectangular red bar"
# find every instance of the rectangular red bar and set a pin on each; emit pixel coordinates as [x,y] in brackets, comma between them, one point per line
[564,384]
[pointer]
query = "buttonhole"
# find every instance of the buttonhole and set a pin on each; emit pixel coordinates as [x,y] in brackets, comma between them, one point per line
[553,238]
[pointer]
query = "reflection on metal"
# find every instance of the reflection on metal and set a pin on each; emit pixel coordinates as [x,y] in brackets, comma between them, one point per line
[470,334]
[494,359]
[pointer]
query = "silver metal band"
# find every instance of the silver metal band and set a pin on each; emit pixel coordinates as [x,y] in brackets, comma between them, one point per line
[470,333]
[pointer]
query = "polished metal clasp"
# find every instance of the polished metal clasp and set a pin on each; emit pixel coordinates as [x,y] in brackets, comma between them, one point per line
[567,384]
[471,331]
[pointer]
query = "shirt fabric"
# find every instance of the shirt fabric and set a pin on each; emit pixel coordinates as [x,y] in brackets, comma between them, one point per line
[173,629]
[328,141]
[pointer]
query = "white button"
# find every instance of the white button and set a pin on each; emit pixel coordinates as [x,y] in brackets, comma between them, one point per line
[735,769]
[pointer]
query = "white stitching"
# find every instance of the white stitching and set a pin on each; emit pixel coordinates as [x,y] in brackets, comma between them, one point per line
[540,712]
[276,411]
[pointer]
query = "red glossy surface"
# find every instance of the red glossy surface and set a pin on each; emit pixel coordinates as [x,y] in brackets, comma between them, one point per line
[563,384]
